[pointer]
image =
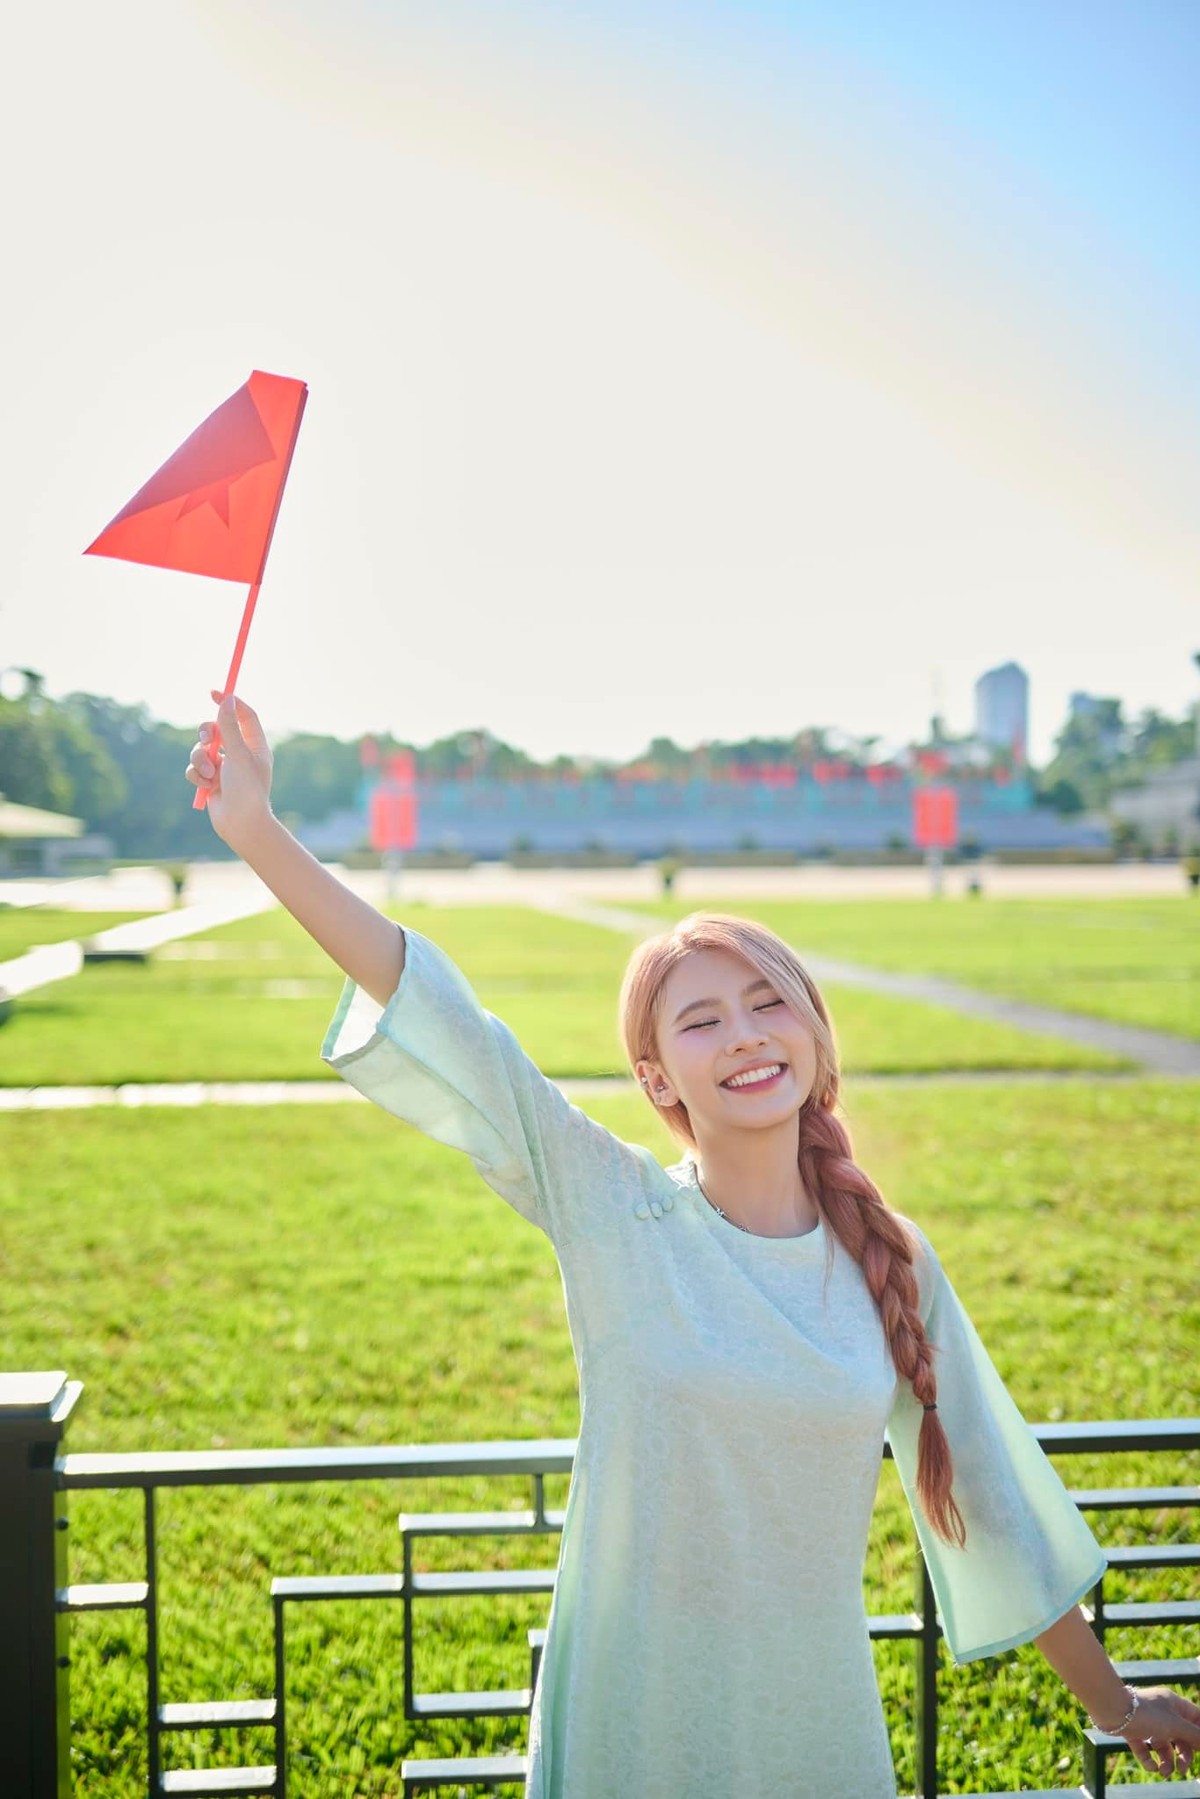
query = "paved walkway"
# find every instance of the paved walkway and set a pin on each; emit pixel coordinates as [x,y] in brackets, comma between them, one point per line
[495,883]
[324,1093]
[1155,1052]
[137,889]
[57,961]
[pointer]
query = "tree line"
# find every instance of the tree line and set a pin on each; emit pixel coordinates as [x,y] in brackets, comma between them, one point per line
[121,770]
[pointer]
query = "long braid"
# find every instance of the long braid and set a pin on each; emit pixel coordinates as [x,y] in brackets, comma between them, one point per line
[868,1229]
[848,1200]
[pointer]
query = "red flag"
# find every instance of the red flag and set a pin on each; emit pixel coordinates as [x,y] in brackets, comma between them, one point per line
[211,508]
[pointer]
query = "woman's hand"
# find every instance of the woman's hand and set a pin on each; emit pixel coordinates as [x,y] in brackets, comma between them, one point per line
[1167,1726]
[238,782]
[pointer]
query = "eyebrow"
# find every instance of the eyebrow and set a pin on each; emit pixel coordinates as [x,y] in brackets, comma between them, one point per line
[706,1005]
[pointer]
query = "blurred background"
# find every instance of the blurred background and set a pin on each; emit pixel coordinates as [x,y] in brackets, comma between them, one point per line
[815,383]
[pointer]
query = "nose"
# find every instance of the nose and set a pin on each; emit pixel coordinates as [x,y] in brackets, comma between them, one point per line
[748,1032]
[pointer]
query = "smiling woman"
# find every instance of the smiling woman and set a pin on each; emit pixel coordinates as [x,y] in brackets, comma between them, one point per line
[735,1067]
[733,1402]
[749,1078]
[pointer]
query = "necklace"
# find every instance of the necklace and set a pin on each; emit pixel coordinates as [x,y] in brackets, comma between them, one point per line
[721,1213]
[716,1208]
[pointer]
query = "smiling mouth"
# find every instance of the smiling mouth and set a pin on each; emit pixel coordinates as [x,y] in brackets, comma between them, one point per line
[755,1078]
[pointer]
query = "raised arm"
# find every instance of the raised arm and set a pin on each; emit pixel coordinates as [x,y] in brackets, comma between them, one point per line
[364,944]
[409,1032]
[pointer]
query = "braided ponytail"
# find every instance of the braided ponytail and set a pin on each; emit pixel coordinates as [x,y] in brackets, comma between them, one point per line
[868,1229]
[849,1202]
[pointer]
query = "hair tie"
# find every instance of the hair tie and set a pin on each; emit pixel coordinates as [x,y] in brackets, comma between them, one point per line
[930,1408]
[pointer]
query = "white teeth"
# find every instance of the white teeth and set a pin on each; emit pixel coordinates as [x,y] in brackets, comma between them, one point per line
[755,1075]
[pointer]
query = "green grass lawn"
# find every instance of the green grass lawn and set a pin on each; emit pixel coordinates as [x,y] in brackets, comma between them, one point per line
[24,927]
[1133,960]
[252,1001]
[290,1277]
[880,1034]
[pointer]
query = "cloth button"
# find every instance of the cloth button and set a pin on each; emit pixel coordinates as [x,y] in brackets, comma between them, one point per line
[642,1210]
[656,1208]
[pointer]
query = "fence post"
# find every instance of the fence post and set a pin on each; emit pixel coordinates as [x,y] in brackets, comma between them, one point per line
[927,1685]
[35,1714]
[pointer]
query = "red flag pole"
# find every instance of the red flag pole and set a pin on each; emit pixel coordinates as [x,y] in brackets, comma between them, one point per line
[239,648]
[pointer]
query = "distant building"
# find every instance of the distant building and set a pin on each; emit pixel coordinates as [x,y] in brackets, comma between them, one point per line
[1166,805]
[771,807]
[36,842]
[1002,709]
[1090,705]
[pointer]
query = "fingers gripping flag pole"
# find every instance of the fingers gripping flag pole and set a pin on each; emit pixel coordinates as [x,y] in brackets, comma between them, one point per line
[211,507]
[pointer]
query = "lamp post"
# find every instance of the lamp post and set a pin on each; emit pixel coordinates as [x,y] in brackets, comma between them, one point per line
[34,682]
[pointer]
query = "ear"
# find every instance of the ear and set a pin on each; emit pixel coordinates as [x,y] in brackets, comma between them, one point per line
[658,1087]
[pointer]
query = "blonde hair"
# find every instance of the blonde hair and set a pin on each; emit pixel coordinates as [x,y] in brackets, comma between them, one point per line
[851,1206]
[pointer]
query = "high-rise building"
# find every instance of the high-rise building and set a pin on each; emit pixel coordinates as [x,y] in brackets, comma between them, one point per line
[1108,727]
[1002,709]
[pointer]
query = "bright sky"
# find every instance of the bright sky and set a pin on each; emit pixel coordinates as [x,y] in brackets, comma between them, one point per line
[676,367]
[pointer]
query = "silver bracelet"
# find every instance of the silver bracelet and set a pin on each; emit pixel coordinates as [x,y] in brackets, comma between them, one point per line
[1116,1729]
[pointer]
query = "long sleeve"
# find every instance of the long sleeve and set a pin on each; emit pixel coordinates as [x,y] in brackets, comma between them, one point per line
[1029,1555]
[434,1057]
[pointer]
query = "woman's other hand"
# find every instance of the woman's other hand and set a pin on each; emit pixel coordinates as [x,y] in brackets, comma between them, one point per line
[1164,1732]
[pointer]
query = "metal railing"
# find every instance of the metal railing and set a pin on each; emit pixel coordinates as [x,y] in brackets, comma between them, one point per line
[37,1602]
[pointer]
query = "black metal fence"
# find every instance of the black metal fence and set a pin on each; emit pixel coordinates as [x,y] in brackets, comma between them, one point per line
[37,1602]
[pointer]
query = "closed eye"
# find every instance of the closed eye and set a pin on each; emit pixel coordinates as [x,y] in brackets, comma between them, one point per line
[702,1024]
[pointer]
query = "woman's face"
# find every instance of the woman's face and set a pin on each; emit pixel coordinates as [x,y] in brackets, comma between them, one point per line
[729,1046]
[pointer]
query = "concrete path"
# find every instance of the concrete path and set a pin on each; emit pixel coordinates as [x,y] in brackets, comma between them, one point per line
[322,1093]
[139,889]
[148,934]
[178,1093]
[495,883]
[57,961]
[1155,1052]
[38,967]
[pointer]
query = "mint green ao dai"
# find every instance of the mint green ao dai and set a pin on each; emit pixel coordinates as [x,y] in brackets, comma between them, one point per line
[708,1636]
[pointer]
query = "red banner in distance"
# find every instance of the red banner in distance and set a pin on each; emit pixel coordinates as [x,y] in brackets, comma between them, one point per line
[393,819]
[935,818]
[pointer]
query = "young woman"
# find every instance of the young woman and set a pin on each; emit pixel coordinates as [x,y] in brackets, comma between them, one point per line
[747,1325]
